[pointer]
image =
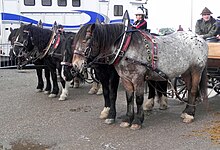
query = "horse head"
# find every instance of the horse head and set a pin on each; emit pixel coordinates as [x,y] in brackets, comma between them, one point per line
[11,38]
[82,47]
[68,72]
[23,44]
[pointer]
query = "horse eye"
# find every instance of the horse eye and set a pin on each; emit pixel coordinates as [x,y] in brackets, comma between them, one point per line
[25,43]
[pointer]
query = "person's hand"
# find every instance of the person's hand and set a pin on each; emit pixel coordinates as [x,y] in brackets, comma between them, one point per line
[218,36]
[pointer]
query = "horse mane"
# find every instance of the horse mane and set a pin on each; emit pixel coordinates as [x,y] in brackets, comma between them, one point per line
[69,41]
[13,33]
[104,35]
[41,36]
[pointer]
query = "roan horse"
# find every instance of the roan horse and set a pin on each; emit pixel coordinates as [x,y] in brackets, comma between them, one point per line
[40,86]
[138,56]
[49,46]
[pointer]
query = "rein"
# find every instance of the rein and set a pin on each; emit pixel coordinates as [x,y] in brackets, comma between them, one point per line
[48,46]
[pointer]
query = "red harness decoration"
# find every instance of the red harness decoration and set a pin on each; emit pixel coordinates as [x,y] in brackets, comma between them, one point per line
[57,42]
[154,47]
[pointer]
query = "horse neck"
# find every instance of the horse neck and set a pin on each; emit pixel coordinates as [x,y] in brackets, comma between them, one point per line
[41,37]
[104,39]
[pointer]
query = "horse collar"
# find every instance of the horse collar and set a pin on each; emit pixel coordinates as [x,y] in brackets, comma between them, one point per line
[120,52]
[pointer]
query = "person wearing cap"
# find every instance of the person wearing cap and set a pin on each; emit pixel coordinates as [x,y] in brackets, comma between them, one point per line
[140,23]
[206,26]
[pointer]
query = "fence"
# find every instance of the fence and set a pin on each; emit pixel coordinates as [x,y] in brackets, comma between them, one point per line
[5,61]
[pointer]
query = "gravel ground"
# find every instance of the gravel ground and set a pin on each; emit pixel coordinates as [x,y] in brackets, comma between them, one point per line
[30,120]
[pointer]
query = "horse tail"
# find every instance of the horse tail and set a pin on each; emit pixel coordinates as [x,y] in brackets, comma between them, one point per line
[203,85]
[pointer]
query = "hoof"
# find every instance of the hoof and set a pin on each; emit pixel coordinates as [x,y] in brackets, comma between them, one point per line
[163,107]
[148,104]
[76,85]
[109,121]
[104,113]
[163,103]
[38,90]
[135,127]
[187,118]
[124,124]
[52,95]
[99,92]
[62,98]
[46,92]
[92,91]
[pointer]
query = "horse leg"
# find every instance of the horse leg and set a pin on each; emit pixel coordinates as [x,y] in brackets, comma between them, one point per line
[106,92]
[94,88]
[65,87]
[40,84]
[100,91]
[76,82]
[48,83]
[162,94]
[189,112]
[149,103]
[139,117]
[126,122]
[55,89]
[113,89]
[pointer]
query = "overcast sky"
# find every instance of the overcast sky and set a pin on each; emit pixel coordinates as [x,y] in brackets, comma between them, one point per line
[172,13]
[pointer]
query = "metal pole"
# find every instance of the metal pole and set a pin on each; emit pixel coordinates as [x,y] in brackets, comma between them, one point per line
[191,14]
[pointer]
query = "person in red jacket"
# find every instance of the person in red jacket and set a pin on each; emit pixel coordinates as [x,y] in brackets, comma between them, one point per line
[140,23]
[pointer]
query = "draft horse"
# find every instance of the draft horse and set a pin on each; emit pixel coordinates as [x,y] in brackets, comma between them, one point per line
[15,55]
[137,56]
[49,46]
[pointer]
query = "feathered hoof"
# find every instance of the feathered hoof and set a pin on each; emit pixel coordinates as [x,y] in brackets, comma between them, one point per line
[187,118]
[46,92]
[148,104]
[52,95]
[92,91]
[99,92]
[104,113]
[125,125]
[163,107]
[135,127]
[109,121]
[163,103]
[38,90]
[62,98]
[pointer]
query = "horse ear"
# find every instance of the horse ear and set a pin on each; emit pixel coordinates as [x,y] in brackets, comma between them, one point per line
[21,24]
[126,19]
[91,27]
[54,28]
[97,21]
[11,29]
[40,24]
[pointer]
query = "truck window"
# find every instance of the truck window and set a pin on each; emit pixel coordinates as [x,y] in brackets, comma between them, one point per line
[118,10]
[76,3]
[62,2]
[29,2]
[46,2]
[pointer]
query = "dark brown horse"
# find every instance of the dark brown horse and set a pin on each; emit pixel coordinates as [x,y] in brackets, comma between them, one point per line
[49,46]
[138,56]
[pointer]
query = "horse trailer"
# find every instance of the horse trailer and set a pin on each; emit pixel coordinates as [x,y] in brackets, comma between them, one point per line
[70,13]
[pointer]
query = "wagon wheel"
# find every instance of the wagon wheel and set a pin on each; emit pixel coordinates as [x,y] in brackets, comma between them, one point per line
[180,88]
[216,84]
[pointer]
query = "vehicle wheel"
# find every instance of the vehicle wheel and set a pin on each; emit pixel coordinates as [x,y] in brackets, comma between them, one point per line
[180,88]
[216,84]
